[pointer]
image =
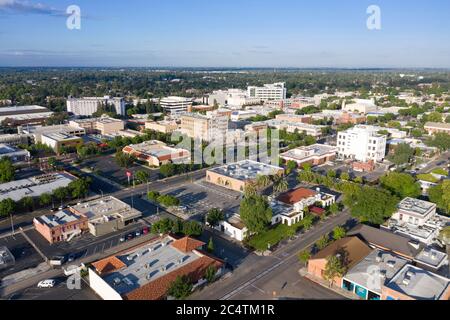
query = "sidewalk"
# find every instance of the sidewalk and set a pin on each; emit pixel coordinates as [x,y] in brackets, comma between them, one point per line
[304,273]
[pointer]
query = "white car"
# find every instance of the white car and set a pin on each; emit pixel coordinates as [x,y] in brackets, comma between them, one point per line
[46,284]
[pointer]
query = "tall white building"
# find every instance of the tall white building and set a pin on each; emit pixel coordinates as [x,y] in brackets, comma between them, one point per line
[87,106]
[362,143]
[275,91]
[176,105]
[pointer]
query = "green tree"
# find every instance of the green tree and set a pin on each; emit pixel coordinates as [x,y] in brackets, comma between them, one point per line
[440,141]
[181,288]
[322,242]
[373,205]
[263,181]
[211,245]
[153,195]
[256,213]
[308,222]
[27,203]
[281,185]
[167,170]
[124,160]
[403,154]
[60,194]
[45,199]
[334,268]
[7,170]
[291,166]
[440,194]
[214,217]
[162,226]
[210,274]
[7,207]
[339,233]
[142,176]
[334,208]
[401,184]
[192,228]
[304,256]
[345,176]
[331,174]
[79,188]
[250,190]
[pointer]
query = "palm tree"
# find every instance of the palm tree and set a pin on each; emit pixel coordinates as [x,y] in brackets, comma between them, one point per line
[263,181]
[281,185]
[250,190]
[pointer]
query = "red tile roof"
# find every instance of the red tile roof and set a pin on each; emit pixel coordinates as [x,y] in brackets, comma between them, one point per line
[157,289]
[317,210]
[108,265]
[187,244]
[292,197]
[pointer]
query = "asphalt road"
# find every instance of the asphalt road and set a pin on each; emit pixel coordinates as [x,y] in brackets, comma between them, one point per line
[255,268]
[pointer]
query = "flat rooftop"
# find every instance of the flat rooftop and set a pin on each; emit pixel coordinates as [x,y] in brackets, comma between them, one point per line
[418,283]
[105,207]
[24,109]
[432,258]
[60,136]
[34,186]
[387,263]
[101,120]
[437,125]
[59,218]
[316,150]
[50,129]
[153,148]
[146,264]
[6,150]
[246,170]
[416,206]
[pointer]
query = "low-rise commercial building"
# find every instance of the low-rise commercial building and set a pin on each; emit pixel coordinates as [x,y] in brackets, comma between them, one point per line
[243,115]
[437,127]
[60,141]
[103,125]
[414,283]
[294,118]
[38,131]
[156,153]
[291,127]
[24,115]
[60,226]
[418,220]
[361,106]
[13,153]
[315,155]
[146,272]
[16,139]
[238,175]
[106,215]
[162,126]
[34,187]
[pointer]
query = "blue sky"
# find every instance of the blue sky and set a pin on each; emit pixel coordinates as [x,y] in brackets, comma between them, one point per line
[231,33]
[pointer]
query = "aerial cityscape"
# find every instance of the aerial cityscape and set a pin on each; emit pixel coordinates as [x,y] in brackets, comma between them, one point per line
[182,178]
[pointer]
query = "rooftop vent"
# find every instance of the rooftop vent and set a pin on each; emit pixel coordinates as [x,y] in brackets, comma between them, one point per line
[391,264]
[406,281]
[410,274]
[379,257]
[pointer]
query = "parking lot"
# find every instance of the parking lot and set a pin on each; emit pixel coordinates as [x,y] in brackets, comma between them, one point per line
[59,292]
[111,170]
[25,255]
[200,197]
[84,246]
[340,167]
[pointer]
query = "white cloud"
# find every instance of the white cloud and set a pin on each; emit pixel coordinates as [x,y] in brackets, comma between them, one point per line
[27,7]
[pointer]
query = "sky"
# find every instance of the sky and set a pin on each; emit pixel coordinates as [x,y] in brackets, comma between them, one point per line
[226,33]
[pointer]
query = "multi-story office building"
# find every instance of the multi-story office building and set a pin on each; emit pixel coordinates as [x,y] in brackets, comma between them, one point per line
[275,91]
[157,153]
[176,105]
[103,125]
[202,127]
[362,143]
[87,106]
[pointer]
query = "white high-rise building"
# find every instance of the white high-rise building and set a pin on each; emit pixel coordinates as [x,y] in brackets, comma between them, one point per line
[87,106]
[176,105]
[362,143]
[275,91]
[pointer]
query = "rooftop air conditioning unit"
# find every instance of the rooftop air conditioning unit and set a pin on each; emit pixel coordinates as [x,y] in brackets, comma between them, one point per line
[410,274]
[434,255]
[406,281]
[391,264]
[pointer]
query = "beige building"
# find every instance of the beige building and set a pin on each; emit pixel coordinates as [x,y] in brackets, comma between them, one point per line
[161,126]
[238,175]
[436,127]
[59,141]
[157,153]
[202,127]
[103,125]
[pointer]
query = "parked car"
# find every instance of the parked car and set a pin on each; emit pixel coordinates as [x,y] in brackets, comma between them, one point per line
[71,257]
[47,283]
[130,236]
[122,239]
[145,231]
[137,233]
[57,261]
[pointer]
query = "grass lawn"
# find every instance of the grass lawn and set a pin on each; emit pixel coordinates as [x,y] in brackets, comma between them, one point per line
[428,177]
[273,236]
[440,171]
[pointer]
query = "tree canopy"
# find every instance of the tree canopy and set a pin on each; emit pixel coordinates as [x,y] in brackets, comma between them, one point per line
[401,184]
[256,213]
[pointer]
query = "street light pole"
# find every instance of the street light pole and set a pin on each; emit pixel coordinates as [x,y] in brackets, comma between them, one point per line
[12,224]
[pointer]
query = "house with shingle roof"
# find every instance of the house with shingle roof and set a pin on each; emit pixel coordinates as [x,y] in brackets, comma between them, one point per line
[147,271]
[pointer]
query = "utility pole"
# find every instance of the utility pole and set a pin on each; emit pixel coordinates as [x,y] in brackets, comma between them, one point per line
[12,224]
